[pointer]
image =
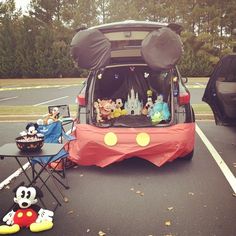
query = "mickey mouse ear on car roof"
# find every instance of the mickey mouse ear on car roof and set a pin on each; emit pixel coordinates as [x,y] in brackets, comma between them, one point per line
[161,49]
[91,49]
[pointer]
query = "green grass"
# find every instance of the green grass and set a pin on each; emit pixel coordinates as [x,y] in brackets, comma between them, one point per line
[201,109]
[200,80]
[29,110]
[37,82]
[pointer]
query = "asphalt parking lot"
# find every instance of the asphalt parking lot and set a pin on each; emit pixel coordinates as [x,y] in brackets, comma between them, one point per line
[134,197]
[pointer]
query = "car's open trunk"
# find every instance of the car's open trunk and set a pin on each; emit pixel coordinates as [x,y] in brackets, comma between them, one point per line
[130,85]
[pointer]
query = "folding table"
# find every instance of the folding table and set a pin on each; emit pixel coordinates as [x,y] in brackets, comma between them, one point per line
[49,149]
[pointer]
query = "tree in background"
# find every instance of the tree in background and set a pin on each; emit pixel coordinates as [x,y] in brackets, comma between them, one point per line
[8,38]
[37,43]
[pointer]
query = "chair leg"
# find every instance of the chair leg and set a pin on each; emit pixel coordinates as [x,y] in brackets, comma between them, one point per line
[53,173]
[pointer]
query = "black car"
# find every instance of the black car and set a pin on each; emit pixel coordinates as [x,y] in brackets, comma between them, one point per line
[220,92]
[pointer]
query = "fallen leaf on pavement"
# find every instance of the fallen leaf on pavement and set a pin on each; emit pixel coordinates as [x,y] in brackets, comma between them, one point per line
[170,208]
[191,193]
[100,233]
[132,189]
[138,192]
[88,230]
[70,212]
[66,199]
[142,194]
[167,223]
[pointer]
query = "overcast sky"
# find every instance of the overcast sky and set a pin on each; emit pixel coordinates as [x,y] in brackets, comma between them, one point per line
[22,3]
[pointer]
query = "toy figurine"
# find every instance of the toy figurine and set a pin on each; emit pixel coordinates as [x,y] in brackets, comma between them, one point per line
[50,118]
[159,107]
[26,213]
[118,111]
[104,109]
[149,104]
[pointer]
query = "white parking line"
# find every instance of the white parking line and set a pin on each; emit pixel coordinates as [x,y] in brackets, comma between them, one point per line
[5,99]
[53,100]
[14,175]
[218,159]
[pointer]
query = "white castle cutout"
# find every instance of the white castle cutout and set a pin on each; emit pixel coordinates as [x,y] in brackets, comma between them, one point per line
[133,106]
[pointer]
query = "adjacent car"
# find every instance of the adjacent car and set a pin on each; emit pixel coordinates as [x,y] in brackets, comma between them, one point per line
[220,92]
[134,102]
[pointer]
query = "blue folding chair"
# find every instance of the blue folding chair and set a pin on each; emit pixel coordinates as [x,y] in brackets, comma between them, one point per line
[53,133]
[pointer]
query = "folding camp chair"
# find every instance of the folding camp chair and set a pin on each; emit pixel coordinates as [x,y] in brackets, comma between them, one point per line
[52,134]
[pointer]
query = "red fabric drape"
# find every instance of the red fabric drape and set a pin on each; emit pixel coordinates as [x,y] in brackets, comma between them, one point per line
[166,144]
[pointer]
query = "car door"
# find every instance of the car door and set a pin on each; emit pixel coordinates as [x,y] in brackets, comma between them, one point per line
[220,92]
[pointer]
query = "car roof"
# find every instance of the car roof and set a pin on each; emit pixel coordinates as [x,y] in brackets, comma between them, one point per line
[137,25]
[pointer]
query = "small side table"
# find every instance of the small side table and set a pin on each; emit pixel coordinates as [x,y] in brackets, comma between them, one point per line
[10,150]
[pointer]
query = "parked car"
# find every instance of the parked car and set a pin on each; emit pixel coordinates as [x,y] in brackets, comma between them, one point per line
[220,92]
[134,101]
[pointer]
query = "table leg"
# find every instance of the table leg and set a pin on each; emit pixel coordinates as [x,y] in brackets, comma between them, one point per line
[23,169]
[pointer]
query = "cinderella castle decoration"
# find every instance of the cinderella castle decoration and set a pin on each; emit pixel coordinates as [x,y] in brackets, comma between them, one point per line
[133,106]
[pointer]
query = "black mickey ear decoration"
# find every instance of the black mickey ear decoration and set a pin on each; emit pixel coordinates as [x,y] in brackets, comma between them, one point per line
[90,49]
[161,49]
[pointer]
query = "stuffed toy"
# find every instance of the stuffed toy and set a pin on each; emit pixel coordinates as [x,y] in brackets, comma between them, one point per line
[157,118]
[97,111]
[118,111]
[26,213]
[104,109]
[50,118]
[159,107]
[148,106]
[31,131]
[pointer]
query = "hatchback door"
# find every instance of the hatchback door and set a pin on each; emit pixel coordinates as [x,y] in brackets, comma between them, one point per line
[220,92]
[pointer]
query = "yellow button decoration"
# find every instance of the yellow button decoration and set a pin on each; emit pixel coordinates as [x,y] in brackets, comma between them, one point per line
[110,139]
[20,214]
[29,213]
[143,139]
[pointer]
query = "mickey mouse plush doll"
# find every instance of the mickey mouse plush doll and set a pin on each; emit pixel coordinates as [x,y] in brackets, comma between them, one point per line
[26,213]
[31,130]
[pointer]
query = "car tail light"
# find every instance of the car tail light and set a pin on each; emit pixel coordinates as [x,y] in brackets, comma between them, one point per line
[81,100]
[184,98]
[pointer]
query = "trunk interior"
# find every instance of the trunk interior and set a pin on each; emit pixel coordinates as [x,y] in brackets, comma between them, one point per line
[132,96]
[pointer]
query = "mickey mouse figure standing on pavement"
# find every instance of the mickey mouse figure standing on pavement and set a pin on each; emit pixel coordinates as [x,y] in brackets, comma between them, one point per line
[26,213]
